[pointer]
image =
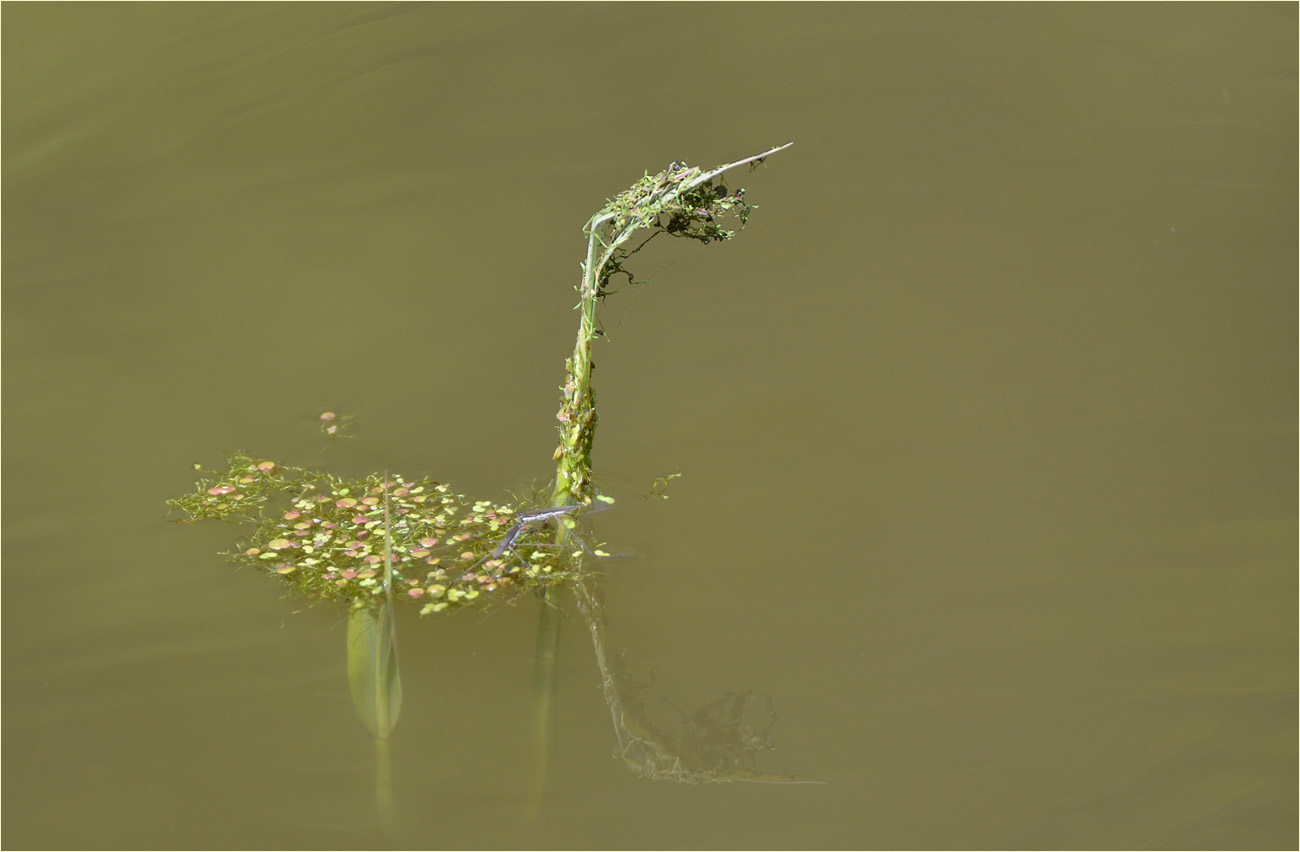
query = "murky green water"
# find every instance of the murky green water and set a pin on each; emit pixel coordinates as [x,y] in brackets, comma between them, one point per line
[987,421]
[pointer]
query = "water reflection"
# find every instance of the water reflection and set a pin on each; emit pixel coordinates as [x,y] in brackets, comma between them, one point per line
[719,741]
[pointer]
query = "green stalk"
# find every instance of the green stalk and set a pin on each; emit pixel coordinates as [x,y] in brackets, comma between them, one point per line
[680,201]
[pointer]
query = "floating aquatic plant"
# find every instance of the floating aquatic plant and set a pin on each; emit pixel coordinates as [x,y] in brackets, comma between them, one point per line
[325,536]
[321,534]
[376,540]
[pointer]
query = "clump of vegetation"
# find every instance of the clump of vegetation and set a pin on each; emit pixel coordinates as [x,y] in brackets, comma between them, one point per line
[681,201]
[374,541]
[326,536]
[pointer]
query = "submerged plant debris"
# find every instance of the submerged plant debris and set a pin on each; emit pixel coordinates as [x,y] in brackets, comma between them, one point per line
[324,536]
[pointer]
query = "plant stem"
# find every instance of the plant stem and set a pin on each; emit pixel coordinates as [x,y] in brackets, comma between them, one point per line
[680,193]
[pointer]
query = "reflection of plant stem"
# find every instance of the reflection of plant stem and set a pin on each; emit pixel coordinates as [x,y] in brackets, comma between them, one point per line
[374,677]
[548,652]
[640,745]
[376,687]
[384,785]
[717,744]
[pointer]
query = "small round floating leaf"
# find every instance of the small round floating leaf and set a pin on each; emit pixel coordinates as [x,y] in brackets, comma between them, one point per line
[279,544]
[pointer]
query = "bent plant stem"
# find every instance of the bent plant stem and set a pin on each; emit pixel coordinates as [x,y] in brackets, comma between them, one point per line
[688,199]
[319,532]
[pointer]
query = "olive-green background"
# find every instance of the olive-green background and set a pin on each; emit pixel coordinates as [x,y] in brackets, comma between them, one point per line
[987,421]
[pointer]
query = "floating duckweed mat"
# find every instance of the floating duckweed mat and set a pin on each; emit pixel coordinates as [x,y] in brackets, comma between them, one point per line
[325,536]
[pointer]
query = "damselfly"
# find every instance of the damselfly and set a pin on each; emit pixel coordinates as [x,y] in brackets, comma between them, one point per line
[526,522]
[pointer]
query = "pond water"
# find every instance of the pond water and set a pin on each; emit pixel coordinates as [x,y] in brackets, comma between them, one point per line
[987,421]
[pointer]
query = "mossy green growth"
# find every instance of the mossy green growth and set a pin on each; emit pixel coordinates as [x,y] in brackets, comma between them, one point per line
[681,201]
[324,536]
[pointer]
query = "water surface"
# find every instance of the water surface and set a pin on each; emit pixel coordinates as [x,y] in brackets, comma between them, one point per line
[987,421]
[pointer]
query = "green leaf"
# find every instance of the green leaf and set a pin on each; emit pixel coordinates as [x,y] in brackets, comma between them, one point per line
[373,674]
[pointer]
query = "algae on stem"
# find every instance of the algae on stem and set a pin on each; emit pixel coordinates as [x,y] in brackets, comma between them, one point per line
[681,201]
